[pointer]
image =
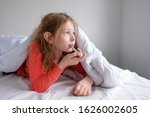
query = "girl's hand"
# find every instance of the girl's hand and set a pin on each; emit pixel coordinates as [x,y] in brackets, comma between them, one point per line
[83,87]
[72,59]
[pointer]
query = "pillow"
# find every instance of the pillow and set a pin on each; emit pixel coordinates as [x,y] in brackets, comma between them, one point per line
[13,52]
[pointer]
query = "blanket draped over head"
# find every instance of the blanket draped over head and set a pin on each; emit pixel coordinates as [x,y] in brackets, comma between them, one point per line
[13,52]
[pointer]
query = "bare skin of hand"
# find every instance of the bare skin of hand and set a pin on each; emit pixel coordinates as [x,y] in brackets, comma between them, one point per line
[72,59]
[83,87]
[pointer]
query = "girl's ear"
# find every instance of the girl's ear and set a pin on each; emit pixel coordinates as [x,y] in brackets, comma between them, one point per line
[48,37]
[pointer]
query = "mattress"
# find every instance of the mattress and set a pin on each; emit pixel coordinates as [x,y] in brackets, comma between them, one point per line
[132,87]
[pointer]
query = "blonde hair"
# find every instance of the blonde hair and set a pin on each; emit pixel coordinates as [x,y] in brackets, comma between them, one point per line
[50,23]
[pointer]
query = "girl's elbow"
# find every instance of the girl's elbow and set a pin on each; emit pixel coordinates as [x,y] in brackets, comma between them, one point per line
[38,89]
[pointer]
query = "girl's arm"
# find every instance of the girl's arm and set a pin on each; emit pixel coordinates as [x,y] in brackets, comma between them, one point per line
[41,80]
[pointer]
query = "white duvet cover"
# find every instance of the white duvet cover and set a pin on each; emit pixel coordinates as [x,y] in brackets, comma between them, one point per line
[13,52]
[132,87]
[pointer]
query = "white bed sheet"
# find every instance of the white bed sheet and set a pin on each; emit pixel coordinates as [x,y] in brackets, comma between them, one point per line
[132,87]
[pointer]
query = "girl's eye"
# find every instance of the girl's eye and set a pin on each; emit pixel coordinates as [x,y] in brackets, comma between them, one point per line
[67,32]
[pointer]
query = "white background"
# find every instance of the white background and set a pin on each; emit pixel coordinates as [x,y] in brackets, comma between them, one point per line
[142,108]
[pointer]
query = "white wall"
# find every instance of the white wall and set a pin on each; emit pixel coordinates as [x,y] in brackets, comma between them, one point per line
[135,41]
[100,19]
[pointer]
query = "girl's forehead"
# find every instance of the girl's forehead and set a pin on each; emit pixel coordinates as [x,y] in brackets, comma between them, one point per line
[68,25]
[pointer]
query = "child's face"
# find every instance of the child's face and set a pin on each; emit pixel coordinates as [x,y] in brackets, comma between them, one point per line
[64,38]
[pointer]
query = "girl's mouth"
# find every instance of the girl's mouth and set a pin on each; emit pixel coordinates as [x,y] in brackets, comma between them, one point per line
[73,49]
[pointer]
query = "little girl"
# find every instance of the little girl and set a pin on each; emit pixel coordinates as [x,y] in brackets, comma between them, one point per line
[46,61]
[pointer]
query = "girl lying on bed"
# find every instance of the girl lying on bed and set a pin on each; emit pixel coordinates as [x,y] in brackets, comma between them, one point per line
[52,51]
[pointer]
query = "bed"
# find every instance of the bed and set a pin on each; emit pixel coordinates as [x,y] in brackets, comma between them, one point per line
[132,87]
[13,87]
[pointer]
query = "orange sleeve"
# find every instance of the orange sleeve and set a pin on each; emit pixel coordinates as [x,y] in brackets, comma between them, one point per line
[41,80]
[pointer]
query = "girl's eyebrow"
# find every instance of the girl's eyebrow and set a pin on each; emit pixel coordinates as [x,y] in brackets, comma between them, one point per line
[69,30]
[66,29]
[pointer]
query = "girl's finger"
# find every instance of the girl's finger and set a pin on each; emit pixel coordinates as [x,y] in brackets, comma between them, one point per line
[85,93]
[89,92]
[77,89]
[80,92]
[83,58]
[80,52]
[71,55]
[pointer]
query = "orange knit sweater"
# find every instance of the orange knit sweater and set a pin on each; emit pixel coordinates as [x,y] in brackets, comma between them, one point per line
[40,80]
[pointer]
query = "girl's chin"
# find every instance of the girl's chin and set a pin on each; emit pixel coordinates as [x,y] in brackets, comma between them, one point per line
[68,51]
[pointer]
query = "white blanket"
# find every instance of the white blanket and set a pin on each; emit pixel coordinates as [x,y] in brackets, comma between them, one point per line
[13,52]
[97,67]
[132,87]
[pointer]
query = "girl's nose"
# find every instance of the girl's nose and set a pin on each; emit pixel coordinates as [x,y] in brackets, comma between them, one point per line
[73,38]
